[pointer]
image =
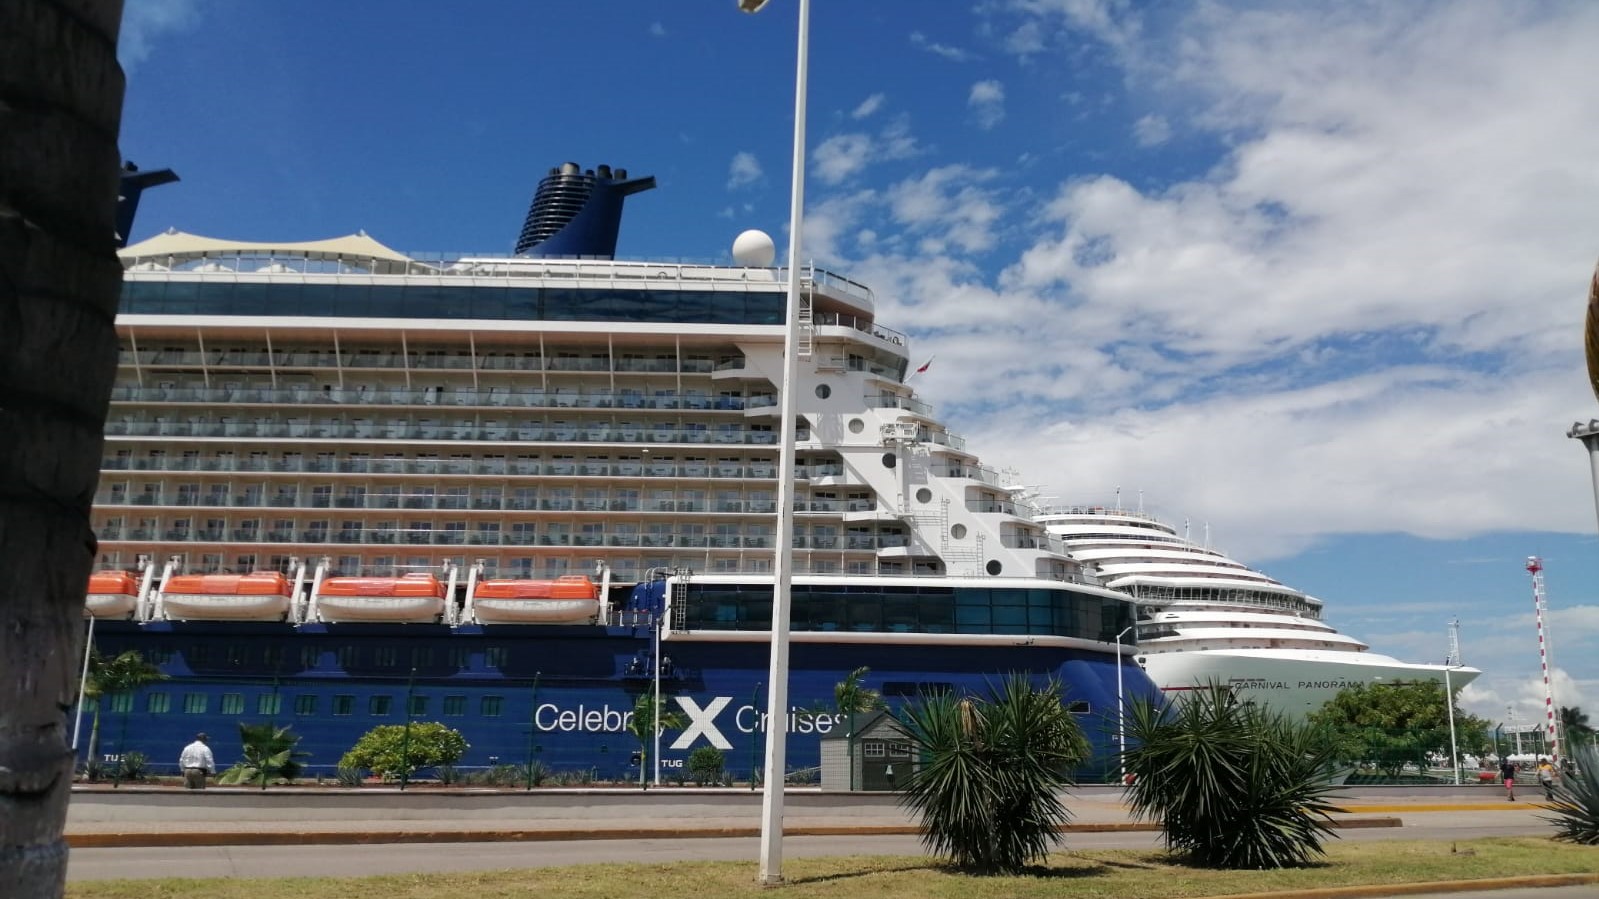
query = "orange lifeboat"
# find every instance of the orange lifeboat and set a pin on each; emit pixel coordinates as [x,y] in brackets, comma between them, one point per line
[112,594]
[572,599]
[415,598]
[260,596]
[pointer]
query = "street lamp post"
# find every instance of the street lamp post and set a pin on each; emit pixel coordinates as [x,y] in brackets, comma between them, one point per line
[1121,719]
[777,696]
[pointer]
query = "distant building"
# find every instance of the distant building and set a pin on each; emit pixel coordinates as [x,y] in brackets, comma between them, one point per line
[883,755]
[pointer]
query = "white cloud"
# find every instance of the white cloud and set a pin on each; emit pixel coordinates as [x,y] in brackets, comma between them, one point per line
[868,106]
[1151,131]
[987,101]
[657,29]
[954,54]
[146,21]
[744,170]
[844,155]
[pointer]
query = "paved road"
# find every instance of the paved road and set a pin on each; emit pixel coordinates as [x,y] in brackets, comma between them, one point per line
[355,861]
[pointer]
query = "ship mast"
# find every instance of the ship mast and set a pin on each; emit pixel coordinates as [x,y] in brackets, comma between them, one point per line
[1540,606]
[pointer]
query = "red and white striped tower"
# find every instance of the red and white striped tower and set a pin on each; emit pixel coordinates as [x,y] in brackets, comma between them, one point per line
[1539,604]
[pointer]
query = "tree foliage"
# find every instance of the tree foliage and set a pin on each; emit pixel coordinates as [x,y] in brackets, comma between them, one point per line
[119,675]
[1574,721]
[1389,727]
[268,754]
[1232,785]
[387,751]
[642,723]
[988,787]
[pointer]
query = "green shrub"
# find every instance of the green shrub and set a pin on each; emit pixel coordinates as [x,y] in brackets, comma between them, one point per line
[705,765]
[535,774]
[1576,804]
[268,753]
[1232,785]
[349,777]
[133,766]
[988,788]
[389,752]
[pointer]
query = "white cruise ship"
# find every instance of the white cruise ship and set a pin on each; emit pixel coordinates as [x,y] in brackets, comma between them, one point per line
[338,478]
[1206,618]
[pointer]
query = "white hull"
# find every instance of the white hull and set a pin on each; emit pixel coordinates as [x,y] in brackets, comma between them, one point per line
[223,607]
[109,605]
[535,611]
[403,609]
[1295,682]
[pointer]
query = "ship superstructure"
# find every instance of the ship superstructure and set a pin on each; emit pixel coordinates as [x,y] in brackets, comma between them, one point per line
[1204,617]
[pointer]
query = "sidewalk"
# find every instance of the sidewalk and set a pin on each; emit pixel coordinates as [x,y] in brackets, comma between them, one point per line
[238,817]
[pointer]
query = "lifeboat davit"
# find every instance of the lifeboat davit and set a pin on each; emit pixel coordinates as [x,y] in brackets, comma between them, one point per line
[261,596]
[572,599]
[414,598]
[112,594]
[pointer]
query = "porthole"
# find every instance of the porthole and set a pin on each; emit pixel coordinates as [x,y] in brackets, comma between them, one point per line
[958,531]
[889,461]
[823,391]
[924,495]
[856,426]
[993,566]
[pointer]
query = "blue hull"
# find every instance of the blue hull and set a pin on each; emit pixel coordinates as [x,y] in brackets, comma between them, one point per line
[555,694]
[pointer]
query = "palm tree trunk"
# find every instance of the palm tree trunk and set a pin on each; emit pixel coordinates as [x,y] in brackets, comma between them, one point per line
[60,109]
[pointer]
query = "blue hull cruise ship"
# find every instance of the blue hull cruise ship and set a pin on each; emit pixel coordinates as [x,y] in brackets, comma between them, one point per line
[345,488]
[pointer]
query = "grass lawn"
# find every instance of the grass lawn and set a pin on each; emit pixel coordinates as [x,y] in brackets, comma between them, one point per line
[1103,874]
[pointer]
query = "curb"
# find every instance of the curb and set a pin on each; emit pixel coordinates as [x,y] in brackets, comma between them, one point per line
[1377,890]
[362,838]
[1453,807]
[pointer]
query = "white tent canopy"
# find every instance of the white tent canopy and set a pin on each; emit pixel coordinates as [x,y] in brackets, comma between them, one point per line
[173,248]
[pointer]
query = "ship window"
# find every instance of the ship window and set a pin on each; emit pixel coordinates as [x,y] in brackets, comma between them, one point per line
[344,704]
[346,657]
[454,706]
[195,703]
[232,704]
[460,656]
[494,656]
[310,656]
[1079,707]
[268,704]
[490,706]
[419,706]
[305,704]
[158,703]
[378,706]
[384,656]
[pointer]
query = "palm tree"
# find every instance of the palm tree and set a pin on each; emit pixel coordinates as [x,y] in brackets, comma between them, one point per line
[268,752]
[851,698]
[111,678]
[987,789]
[1574,721]
[642,724]
[60,291]
[1233,786]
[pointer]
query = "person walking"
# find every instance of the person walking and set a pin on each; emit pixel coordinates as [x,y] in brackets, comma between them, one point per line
[1507,770]
[1546,778]
[197,762]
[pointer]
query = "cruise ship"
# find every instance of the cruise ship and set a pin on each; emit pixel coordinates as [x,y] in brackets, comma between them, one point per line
[1205,618]
[344,487]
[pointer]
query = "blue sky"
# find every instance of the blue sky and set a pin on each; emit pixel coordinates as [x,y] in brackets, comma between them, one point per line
[1313,277]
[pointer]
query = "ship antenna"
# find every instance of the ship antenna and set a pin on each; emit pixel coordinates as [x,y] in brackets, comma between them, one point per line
[1540,606]
[1140,502]
[1453,659]
[1118,497]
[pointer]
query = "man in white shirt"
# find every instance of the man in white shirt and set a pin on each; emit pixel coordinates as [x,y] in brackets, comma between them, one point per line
[196,762]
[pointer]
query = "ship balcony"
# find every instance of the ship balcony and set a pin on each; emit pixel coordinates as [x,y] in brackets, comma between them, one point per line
[867,512]
[666,434]
[894,401]
[992,506]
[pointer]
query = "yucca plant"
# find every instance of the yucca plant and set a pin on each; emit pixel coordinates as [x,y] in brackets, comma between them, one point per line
[1576,804]
[1233,786]
[988,786]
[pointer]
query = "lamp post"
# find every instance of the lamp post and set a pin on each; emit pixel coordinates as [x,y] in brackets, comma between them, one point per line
[771,872]
[1121,720]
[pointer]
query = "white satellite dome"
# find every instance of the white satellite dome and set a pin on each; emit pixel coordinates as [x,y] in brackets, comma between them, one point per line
[754,248]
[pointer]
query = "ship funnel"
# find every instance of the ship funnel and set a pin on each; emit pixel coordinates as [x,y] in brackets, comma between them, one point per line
[577,212]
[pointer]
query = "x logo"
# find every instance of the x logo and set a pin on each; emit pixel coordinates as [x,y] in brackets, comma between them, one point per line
[702,721]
